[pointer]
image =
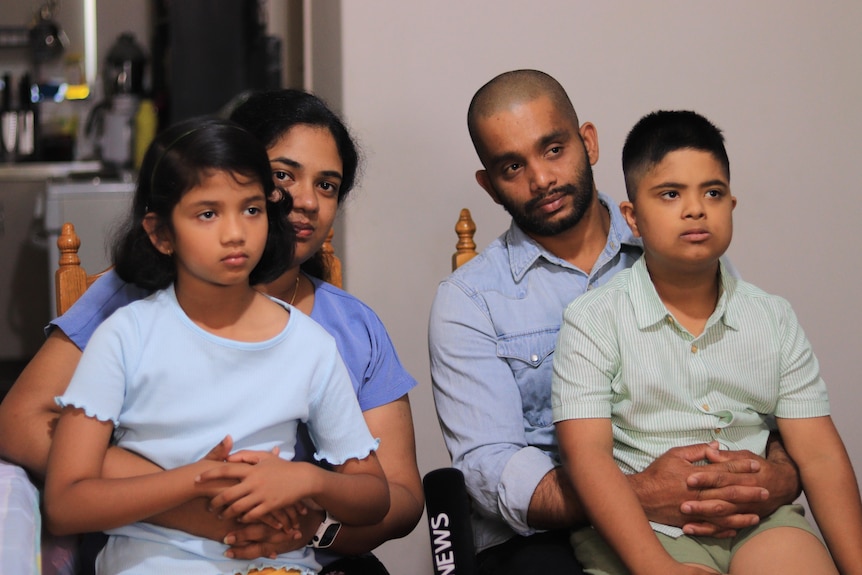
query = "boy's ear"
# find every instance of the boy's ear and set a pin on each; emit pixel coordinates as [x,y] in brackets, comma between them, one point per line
[628,210]
[157,234]
[484,181]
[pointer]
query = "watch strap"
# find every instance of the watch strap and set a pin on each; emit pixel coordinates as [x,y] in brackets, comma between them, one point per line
[326,533]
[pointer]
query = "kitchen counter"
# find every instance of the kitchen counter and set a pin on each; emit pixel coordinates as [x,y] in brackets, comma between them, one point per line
[41,171]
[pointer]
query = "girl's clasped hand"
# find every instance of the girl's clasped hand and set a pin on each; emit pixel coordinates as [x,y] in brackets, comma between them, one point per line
[250,488]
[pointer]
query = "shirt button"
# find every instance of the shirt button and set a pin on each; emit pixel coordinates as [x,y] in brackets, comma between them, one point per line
[717,431]
[693,349]
[705,406]
[534,357]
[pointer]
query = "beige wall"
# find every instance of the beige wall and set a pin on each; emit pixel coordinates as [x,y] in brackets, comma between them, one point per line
[782,79]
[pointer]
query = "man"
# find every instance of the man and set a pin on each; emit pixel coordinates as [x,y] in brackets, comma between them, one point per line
[493,330]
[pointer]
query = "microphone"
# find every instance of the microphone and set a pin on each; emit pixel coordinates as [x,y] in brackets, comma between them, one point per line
[448,508]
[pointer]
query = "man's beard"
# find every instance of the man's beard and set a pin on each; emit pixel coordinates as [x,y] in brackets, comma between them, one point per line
[534,222]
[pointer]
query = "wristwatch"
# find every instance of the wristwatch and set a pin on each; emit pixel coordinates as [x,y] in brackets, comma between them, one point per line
[326,533]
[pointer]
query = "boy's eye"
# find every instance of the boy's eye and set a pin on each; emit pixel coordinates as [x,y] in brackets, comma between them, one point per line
[207,215]
[714,193]
[253,210]
[670,194]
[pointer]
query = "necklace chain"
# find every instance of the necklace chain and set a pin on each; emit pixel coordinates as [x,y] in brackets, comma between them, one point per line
[295,290]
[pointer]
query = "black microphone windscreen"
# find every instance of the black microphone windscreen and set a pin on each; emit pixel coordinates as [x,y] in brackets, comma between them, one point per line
[448,508]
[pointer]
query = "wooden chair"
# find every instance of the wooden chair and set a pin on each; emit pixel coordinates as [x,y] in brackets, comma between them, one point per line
[445,493]
[71,280]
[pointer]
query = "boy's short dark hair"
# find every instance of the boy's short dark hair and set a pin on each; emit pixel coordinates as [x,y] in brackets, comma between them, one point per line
[662,132]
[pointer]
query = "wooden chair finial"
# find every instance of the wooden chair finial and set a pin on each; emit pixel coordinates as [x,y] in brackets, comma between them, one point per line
[70,277]
[332,265]
[465,249]
[69,243]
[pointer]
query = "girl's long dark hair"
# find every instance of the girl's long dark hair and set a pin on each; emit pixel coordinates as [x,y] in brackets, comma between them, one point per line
[180,158]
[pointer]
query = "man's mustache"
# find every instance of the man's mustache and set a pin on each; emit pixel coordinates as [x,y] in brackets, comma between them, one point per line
[564,190]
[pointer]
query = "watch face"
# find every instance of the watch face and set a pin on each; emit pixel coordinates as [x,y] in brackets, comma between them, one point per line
[329,535]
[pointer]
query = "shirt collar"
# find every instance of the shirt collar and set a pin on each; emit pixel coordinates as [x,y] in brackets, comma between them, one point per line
[524,251]
[649,309]
[724,309]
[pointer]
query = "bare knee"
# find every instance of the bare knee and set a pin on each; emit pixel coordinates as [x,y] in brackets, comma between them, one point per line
[785,550]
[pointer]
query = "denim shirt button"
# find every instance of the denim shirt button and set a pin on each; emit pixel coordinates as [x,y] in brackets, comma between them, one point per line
[534,358]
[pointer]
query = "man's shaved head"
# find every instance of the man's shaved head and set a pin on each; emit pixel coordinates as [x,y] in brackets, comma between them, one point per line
[512,88]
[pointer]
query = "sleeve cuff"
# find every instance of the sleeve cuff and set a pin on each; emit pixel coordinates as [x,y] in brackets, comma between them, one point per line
[520,478]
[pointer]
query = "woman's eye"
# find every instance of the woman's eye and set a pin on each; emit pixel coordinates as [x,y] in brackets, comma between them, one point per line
[207,215]
[329,188]
[280,176]
[253,210]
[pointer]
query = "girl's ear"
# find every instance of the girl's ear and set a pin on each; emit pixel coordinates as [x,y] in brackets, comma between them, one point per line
[157,234]
[628,211]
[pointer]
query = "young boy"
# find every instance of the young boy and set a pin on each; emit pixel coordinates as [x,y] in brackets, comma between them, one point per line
[676,351]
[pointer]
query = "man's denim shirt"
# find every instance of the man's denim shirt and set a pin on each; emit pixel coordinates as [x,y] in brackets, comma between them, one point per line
[492,333]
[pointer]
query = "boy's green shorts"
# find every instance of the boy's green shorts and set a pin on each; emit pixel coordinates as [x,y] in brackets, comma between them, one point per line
[597,558]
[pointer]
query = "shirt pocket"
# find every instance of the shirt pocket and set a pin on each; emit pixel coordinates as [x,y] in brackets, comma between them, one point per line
[531,357]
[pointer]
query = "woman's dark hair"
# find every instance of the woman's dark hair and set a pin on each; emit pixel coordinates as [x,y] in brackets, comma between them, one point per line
[270,114]
[180,158]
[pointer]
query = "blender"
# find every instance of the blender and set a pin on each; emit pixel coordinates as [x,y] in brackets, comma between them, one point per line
[123,76]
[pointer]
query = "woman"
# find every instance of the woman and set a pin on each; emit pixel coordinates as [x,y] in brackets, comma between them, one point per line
[314,159]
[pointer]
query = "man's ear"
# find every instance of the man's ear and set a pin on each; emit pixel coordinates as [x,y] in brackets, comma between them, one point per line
[628,211]
[484,181]
[590,137]
[157,234]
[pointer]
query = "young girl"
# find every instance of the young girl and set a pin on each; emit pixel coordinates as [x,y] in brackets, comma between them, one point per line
[165,376]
